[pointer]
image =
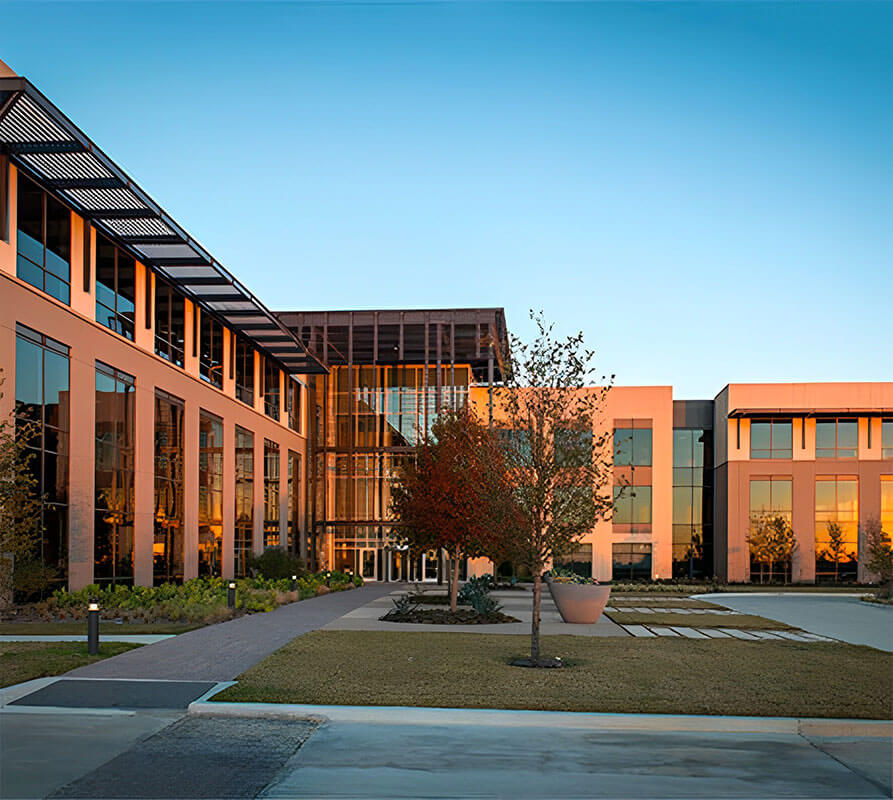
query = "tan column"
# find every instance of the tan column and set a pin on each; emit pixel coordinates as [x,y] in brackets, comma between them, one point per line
[145,334]
[739,523]
[229,496]
[258,493]
[190,490]
[190,361]
[803,523]
[144,484]
[81,470]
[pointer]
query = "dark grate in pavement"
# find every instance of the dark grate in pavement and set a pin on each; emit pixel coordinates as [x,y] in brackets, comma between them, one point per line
[197,757]
[74,693]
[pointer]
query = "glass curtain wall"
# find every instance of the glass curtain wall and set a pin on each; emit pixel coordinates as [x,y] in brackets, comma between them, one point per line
[210,354]
[294,502]
[770,497]
[167,550]
[836,528]
[170,323]
[244,356]
[271,388]
[244,532]
[271,494]
[42,413]
[692,502]
[43,243]
[210,496]
[115,288]
[113,525]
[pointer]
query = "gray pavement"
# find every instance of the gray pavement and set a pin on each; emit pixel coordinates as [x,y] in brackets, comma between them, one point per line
[223,651]
[358,760]
[843,617]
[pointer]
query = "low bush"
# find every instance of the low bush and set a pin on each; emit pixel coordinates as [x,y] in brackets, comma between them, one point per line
[202,600]
[275,563]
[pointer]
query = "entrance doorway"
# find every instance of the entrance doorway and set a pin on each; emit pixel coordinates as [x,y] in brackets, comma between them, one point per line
[369,564]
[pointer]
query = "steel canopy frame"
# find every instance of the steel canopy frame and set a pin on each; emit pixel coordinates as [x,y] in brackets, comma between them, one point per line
[49,147]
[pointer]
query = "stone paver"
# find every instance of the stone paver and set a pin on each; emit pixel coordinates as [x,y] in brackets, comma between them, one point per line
[690,633]
[223,651]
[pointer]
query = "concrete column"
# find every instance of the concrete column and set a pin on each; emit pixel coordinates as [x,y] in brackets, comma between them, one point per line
[258,383]
[145,283]
[190,361]
[144,484]
[803,523]
[190,489]
[81,469]
[229,496]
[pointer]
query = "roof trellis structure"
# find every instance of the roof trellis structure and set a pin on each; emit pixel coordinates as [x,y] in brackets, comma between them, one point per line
[42,142]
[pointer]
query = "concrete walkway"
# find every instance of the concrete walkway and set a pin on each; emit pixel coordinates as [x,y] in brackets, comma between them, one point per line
[132,638]
[223,651]
[843,617]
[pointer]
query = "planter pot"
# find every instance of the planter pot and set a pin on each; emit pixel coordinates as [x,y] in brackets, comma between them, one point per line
[579,603]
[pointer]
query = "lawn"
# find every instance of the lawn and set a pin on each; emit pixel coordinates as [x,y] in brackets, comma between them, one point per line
[467,670]
[80,627]
[24,661]
[659,602]
[742,621]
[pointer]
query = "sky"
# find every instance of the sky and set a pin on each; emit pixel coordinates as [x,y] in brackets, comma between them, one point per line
[704,189]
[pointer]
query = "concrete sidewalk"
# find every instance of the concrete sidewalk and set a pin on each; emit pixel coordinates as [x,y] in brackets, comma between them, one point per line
[223,651]
[842,617]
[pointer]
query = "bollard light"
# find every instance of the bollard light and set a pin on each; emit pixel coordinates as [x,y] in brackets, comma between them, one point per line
[294,582]
[93,629]
[231,595]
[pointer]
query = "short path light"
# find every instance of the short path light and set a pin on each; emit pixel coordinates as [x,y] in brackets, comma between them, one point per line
[294,582]
[93,629]
[231,595]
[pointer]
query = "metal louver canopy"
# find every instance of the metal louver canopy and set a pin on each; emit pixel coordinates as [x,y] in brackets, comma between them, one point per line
[44,143]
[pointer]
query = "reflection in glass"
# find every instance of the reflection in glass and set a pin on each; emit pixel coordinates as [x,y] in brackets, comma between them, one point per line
[244,533]
[167,550]
[210,496]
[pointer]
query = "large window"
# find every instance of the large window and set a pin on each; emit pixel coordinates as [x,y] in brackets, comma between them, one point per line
[244,371]
[573,448]
[210,354]
[887,438]
[692,502]
[771,438]
[113,525]
[887,505]
[43,241]
[770,497]
[42,409]
[631,562]
[210,496]
[293,404]
[294,502]
[271,388]
[836,438]
[167,551]
[836,527]
[578,561]
[170,322]
[632,444]
[244,534]
[115,288]
[271,494]
[632,508]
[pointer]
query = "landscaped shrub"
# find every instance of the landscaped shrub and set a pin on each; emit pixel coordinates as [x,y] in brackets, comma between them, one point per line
[198,600]
[475,588]
[276,563]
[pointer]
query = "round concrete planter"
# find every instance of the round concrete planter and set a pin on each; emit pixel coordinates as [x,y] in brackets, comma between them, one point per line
[579,603]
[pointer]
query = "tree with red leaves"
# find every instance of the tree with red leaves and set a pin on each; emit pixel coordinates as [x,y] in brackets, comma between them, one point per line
[454,495]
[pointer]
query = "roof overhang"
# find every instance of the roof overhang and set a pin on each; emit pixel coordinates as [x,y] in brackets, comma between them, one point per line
[786,413]
[41,141]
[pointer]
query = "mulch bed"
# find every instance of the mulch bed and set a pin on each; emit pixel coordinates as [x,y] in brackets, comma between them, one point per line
[443,616]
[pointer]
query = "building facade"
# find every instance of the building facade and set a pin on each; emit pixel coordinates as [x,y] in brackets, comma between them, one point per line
[177,426]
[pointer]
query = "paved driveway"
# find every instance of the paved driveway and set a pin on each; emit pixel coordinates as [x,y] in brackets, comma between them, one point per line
[843,617]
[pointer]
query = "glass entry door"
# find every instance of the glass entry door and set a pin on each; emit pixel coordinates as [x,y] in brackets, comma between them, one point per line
[369,564]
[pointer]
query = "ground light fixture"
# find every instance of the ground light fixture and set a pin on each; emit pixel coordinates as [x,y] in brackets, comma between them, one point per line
[231,595]
[93,628]
[294,582]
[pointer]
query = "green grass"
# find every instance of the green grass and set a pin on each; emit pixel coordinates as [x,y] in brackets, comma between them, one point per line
[71,627]
[742,621]
[659,602]
[24,661]
[682,676]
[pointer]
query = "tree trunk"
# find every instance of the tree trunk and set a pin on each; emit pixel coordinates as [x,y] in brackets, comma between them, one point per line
[454,582]
[535,620]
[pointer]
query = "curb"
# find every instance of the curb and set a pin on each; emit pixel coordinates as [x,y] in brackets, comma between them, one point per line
[566,720]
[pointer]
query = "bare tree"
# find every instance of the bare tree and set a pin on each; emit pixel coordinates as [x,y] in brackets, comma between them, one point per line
[558,450]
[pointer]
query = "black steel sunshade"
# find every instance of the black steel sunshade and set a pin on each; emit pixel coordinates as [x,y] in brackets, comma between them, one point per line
[44,143]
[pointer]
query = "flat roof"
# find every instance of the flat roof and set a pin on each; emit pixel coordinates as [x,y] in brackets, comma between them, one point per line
[47,146]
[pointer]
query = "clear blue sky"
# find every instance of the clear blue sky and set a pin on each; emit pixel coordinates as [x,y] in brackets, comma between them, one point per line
[705,189]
